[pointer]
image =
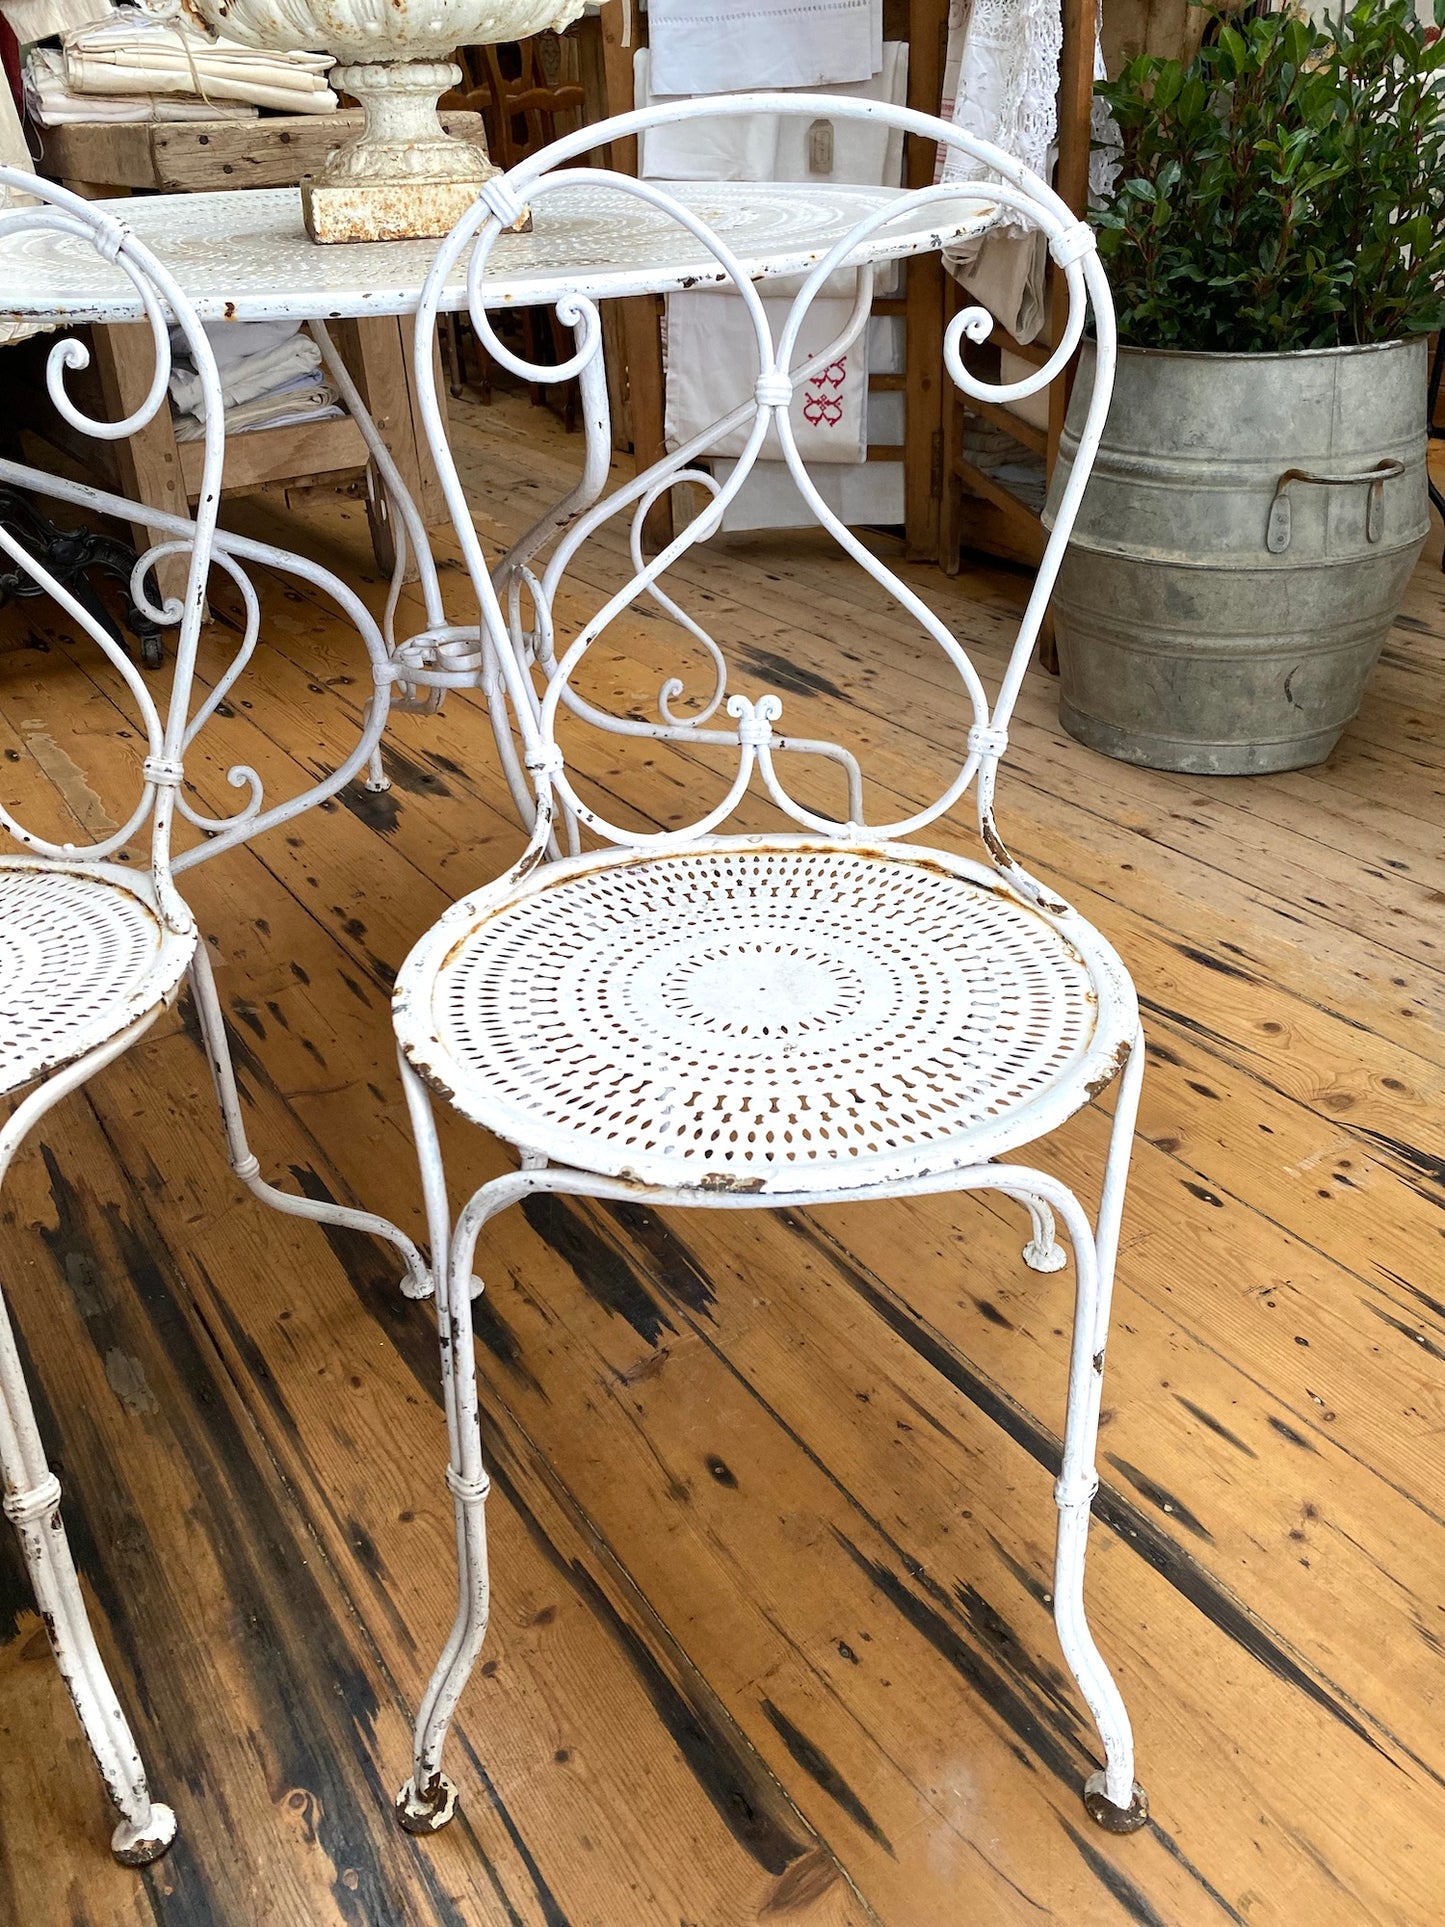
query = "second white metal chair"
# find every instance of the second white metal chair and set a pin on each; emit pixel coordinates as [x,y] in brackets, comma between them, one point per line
[701,1019]
[93,949]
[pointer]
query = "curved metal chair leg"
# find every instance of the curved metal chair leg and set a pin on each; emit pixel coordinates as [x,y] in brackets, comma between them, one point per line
[32,1504]
[428,1800]
[417,1281]
[1112,1797]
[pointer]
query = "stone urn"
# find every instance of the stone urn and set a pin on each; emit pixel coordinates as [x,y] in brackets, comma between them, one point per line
[402,177]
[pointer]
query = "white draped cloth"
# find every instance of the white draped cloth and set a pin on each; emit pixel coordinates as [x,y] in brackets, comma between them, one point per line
[774,147]
[712,352]
[712,362]
[1003,60]
[728,46]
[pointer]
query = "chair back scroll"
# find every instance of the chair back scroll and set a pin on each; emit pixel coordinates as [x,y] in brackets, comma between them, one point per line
[529,668]
[171,720]
[167,724]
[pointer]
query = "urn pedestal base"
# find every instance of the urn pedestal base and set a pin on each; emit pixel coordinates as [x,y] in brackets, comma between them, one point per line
[383,210]
[403,178]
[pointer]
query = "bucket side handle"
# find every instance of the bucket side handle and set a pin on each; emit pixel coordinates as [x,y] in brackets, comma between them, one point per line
[1277,529]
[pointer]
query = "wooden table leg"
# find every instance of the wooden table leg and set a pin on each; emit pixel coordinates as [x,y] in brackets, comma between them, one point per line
[378,354]
[429,497]
[646,400]
[148,461]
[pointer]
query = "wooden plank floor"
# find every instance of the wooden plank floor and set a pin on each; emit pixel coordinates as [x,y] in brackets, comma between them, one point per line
[772,1516]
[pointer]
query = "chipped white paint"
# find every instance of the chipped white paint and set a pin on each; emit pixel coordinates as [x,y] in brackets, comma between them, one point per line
[695,1018]
[90,954]
[244,256]
[1002,1040]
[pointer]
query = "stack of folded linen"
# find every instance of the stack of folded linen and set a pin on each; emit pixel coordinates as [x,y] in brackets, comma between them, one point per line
[133,54]
[270,376]
[50,102]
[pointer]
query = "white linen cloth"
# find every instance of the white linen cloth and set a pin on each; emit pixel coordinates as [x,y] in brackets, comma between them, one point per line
[50,103]
[303,401]
[235,341]
[31,20]
[1004,272]
[14,152]
[270,376]
[248,376]
[1003,61]
[712,365]
[135,54]
[775,147]
[712,356]
[726,46]
[1001,84]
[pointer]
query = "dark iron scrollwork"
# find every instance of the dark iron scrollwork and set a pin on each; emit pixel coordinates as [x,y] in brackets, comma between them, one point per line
[72,556]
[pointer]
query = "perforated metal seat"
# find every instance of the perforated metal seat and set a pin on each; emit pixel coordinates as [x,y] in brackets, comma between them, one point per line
[762,1015]
[83,956]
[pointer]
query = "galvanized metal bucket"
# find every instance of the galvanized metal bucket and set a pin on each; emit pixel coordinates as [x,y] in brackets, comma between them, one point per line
[1241,551]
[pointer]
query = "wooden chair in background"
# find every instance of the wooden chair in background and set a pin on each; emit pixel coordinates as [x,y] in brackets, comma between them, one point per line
[979,511]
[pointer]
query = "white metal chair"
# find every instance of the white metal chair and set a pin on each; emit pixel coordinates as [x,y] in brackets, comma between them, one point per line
[93,950]
[696,1018]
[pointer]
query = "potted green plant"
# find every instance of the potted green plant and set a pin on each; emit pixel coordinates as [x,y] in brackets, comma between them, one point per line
[1276,248]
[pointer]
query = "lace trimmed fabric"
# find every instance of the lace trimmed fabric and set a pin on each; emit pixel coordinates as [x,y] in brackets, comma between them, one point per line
[1001,84]
[1003,66]
[1007,86]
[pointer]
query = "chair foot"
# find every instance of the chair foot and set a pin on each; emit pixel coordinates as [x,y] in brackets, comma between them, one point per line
[1048,1256]
[1112,1818]
[138,1846]
[417,1281]
[429,1811]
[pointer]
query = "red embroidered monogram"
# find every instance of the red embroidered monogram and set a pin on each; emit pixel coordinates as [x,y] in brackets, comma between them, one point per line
[823,409]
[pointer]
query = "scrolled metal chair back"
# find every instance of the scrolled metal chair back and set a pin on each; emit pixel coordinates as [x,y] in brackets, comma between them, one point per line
[168,725]
[171,724]
[515,651]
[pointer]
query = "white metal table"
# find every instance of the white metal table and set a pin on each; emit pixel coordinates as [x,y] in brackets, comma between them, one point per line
[245,256]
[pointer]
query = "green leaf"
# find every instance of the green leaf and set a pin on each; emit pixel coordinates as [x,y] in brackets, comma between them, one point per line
[1232,47]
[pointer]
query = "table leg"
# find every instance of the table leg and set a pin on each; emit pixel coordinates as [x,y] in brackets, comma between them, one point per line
[377,354]
[642,333]
[391,482]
